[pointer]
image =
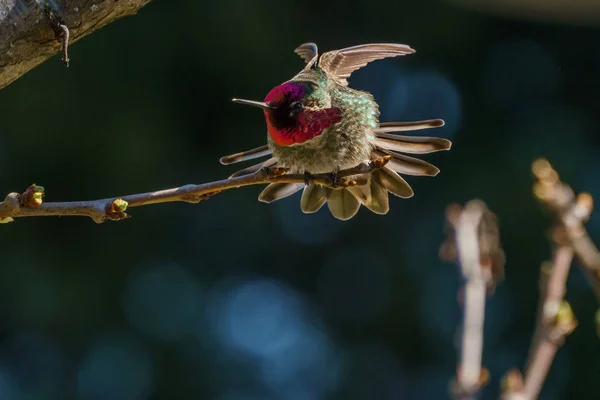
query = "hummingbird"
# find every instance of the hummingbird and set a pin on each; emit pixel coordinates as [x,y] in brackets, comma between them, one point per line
[317,124]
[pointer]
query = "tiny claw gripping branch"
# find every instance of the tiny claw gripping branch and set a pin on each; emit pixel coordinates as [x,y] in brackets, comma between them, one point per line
[336,182]
[474,242]
[60,29]
[380,162]
[273,172]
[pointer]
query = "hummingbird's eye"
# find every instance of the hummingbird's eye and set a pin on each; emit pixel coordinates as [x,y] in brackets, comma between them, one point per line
[295,107]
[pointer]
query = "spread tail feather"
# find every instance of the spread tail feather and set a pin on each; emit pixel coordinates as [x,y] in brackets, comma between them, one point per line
[407,165]
[393,183]
[271,162]
[409,126]
[411,144]
[277,191]
[313,198]
[380,202]
[373,195]
[342,204]
[251,154]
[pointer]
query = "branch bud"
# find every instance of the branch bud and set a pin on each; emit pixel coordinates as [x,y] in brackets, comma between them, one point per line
[32,197]
[117,206]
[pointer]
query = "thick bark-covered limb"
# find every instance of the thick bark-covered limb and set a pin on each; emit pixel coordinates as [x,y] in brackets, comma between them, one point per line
[29,204]
[32,31]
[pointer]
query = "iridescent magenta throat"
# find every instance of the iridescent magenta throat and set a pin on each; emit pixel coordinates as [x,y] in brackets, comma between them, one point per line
[306,125]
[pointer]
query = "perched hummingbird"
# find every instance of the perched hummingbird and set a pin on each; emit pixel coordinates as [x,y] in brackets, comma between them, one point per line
[317,124]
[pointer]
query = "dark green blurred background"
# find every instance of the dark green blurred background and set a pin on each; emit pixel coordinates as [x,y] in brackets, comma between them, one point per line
[235,299]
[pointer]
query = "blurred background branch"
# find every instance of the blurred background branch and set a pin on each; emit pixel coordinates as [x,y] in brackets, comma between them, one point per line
[555,321]
[570,213]
[555,318]
[32,31]
[474,242]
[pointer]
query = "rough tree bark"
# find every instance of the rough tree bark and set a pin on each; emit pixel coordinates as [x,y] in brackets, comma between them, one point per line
[30,34]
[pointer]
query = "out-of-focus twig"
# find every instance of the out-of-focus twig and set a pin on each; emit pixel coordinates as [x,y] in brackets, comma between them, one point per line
[555,321]
[512,386]
[570,212]
[474,242]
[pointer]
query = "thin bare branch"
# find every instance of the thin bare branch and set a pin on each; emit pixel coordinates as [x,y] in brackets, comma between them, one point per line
[512,386]
[570,212]
[114,208]
[555,321]
[474,243]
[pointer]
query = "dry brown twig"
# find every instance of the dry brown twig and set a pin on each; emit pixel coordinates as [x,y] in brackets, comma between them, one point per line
[474,242]
[29,204]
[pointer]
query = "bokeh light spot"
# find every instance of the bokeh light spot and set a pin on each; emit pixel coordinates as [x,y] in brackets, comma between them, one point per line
[424,94]
[431,383]
[519,74]
[376,78]
[115,367]
[8,385]
[354,286]
[423,255]
[33,367]
[268,323]
[245,394]
[500,310]
[260,318]
[163,301]
[373,372]
[308,229]
[438,303]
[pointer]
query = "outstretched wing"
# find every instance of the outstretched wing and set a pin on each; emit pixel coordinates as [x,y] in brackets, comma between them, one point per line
[309,53]
[340,64]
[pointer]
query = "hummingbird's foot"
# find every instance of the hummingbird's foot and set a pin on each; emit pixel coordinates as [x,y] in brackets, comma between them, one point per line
[273,172]
[308,177]
[378,163]
[336,181]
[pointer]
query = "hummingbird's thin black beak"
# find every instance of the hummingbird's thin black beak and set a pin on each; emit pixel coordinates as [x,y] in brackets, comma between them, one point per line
[260,104]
